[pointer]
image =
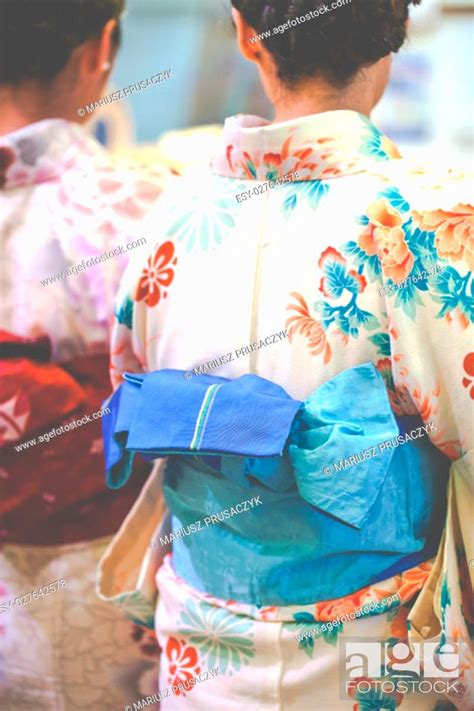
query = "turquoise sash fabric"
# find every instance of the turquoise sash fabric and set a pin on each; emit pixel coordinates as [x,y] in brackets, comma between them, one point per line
[349,500]
[315,536]
[347,415]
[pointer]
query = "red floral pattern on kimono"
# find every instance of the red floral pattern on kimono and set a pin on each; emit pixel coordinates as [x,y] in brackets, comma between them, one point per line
[182,663]
[468,381]
[157,275]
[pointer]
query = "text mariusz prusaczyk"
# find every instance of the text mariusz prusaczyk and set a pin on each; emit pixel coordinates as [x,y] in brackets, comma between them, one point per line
[239,352]
[177,689]
[239,508]
[125,92]
[372,452]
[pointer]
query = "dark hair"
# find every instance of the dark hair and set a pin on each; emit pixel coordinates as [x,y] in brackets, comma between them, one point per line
[334,44]
[37,37]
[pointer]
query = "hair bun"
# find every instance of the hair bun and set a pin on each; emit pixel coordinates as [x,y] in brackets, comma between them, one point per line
[335,44]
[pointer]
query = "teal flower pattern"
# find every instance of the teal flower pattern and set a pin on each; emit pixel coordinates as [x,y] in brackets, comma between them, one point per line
[303,623]
[341,281]
[312,191]
[375,144]
[374,698]
[124,312]
[223,638]
[135,606]
[206,220]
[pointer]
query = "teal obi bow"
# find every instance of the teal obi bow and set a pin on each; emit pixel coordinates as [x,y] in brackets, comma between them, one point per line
[341,451]
[340,442]
[350,493]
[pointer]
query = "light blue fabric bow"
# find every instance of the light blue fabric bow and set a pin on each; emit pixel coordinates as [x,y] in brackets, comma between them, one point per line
[334,429]
[157,414]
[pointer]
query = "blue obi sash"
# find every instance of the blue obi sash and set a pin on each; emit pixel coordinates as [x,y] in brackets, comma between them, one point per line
[347,493]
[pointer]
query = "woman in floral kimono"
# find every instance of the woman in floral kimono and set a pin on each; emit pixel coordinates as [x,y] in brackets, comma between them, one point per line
[68,211]
[311,223]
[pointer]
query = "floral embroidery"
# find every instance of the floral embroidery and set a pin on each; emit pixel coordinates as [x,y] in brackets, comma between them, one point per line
[317,158]
[375,144]
[455,293]
[468,365]
[223,639]
[454,232]
[347,318]
[338,281]
[308,327]
[272,162]
[312,191]
[386,238]
[334,143]
[136,607]
[43,154]
[156,275]
[304,622]
[205,220]
[267,612]
[412,400]
[182,663]
[394,235]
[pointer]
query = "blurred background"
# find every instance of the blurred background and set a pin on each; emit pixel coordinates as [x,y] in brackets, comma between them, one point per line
[427,110]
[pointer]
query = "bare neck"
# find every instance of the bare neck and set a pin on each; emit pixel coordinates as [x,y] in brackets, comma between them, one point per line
[315,97]
[27,104]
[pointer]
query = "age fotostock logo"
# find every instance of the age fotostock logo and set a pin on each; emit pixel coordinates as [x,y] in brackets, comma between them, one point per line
[423,667]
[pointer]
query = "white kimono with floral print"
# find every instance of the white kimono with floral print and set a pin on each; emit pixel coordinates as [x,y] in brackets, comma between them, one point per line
[361,258]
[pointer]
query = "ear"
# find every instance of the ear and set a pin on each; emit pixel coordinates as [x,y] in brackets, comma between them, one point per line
[250,50]
[107,43]
[100,51]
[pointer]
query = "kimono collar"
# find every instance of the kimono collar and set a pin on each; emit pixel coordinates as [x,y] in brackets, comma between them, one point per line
[41,152]
[321,146]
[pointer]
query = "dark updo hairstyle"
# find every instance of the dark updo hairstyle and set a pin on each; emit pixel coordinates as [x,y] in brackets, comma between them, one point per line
[334,44]
[37,37]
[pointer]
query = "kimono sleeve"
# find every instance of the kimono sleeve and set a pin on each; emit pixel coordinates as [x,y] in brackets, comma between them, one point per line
[431,312]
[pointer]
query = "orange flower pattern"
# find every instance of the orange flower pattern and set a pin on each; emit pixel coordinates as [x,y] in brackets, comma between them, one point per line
[157,275]
[302,322]
[454,232]
[387,239]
